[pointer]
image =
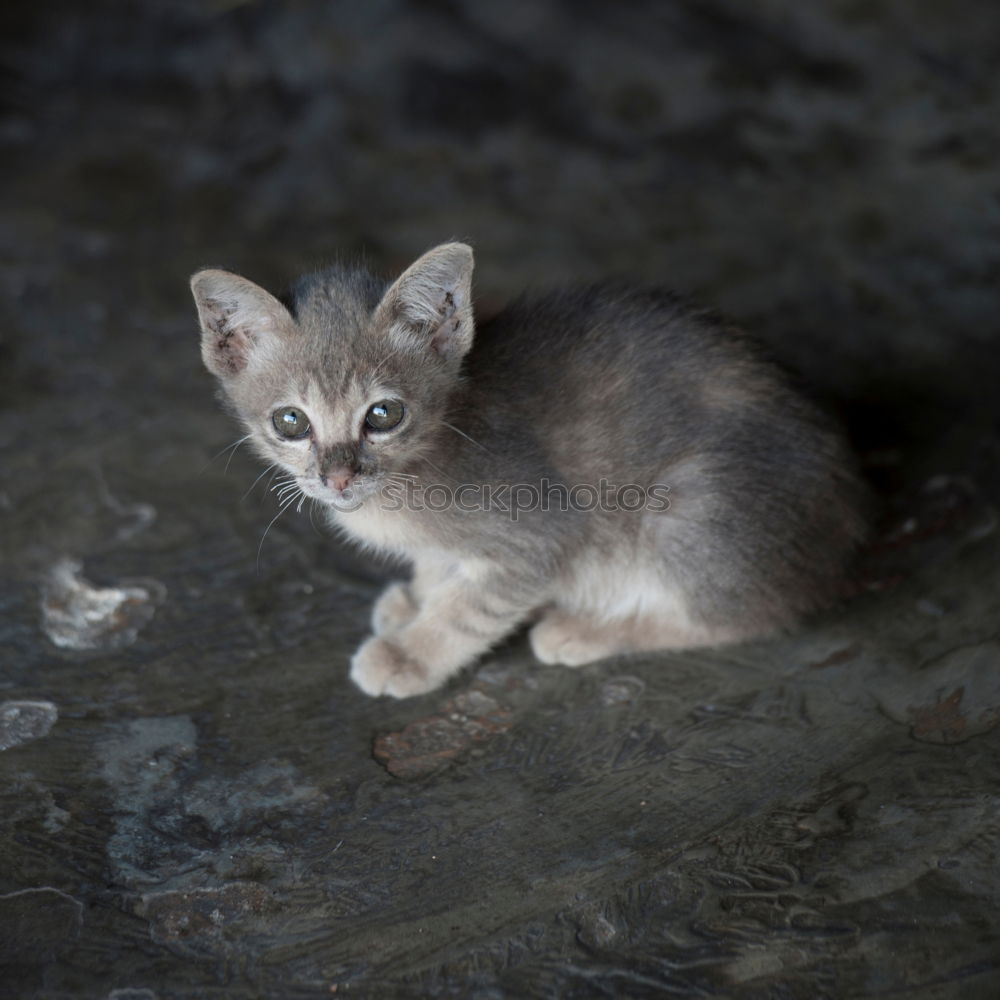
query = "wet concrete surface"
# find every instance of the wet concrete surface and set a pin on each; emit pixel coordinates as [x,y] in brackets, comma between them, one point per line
[194,800]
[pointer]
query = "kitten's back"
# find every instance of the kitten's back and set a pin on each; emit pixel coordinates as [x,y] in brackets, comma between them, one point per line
[635,386]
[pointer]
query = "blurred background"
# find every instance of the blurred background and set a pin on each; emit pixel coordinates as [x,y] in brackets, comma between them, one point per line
[826,173]
[195,801]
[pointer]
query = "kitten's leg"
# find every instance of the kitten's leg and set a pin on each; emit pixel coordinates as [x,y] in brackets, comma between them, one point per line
[457,621]
[398,604]
[573,640]
[394,608]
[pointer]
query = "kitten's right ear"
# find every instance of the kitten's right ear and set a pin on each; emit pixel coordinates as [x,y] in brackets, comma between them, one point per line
[236,317]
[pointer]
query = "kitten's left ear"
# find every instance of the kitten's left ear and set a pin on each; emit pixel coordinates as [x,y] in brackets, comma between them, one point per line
[432,300]
[237,319]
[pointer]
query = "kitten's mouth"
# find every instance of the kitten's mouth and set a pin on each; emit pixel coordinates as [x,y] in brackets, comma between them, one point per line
[348,498]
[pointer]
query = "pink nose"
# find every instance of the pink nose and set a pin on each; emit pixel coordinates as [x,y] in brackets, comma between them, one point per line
[337,479]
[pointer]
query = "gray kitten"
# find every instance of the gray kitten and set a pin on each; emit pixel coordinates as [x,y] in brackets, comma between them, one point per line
[617,469]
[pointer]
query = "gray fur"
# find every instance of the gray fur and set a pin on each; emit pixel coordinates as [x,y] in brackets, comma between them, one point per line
[603,382]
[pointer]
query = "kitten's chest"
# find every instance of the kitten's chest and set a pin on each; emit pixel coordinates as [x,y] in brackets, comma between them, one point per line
[397,531]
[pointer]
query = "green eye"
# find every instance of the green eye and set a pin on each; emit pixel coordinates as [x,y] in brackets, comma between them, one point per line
[290,422]
[384,415]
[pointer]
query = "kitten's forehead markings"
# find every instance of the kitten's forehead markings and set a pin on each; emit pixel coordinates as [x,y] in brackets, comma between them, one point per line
[338,415]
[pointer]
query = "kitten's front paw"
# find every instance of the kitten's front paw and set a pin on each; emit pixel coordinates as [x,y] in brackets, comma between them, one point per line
[380,667]
[562,639]
[394,608]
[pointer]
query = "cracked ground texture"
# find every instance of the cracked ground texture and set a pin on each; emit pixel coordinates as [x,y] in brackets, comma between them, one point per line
[194,800]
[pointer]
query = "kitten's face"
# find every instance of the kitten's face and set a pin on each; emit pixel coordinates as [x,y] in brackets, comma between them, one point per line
[338,417]
[349,392]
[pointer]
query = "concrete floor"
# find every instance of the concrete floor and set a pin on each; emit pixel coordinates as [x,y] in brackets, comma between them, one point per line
[195,801]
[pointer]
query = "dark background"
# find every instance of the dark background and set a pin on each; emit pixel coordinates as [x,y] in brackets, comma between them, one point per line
[817,814]
[824,172]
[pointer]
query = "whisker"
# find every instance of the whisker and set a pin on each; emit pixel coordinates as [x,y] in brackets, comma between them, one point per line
[256,481]
[218,454]
[268,487]
[381,364]
[438,469]
[467,438]
[235,444]
[235,448]
[284,506]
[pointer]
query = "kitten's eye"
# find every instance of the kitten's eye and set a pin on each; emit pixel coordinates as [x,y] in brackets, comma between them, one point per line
[384,415]
[290,422]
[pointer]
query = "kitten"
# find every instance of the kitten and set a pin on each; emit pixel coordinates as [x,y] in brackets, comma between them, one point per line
[608,464]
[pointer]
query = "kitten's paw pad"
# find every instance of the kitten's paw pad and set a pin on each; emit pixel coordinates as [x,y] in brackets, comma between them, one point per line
[559,640]
[394,609]
[380,667]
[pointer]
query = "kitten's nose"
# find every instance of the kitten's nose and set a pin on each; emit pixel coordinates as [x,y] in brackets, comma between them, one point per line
[338,479]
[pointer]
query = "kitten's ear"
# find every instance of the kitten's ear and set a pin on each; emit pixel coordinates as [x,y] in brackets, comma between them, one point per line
[432,300]
[236,318]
